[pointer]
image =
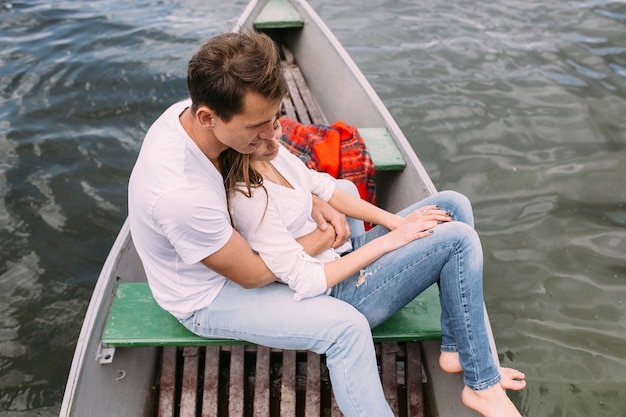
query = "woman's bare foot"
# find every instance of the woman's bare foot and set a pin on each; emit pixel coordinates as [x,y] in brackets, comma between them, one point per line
[512,379]
[509,378]
[450,363]
[491,402]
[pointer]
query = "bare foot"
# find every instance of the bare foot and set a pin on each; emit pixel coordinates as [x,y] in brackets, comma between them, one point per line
[450,363]
[510,378]
[491,402]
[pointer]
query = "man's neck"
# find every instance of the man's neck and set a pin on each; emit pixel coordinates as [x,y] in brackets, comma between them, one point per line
[204,140]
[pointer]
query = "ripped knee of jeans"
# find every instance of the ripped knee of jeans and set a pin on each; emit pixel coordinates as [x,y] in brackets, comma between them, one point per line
[363,274]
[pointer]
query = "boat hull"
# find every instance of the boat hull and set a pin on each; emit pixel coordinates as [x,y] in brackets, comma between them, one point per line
[126,387]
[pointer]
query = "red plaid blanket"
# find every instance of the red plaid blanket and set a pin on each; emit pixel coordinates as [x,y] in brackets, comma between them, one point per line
[337,149]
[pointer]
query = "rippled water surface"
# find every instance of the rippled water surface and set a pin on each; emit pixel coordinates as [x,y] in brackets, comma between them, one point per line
[519,104]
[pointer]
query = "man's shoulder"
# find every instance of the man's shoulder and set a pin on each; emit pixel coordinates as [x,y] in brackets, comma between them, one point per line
[170,114]
[178,107]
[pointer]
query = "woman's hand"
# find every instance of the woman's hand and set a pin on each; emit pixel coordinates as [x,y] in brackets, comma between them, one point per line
[418,224]
[428,217]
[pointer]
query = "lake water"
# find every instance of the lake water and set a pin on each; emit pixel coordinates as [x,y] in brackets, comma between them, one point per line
[518,104]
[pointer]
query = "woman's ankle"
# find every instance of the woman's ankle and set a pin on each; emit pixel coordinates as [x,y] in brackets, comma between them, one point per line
[449,362]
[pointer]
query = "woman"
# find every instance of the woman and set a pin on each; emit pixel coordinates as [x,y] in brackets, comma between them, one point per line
[269,193]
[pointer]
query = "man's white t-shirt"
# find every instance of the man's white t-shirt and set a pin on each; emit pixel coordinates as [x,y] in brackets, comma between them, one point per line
[178,215]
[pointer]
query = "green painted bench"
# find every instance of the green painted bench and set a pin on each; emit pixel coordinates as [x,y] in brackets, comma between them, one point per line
[278,14]
[384,153]
[136,320]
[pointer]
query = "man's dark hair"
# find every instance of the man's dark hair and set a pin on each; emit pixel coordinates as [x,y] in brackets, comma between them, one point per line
[230,65]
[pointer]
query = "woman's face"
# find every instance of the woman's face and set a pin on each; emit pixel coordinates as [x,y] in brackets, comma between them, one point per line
[268,149]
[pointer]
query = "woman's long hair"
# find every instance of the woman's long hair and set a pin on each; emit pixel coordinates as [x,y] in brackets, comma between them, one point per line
[236,171]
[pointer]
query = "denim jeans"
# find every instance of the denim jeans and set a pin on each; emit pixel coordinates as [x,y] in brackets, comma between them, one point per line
[451,257]
[339,325]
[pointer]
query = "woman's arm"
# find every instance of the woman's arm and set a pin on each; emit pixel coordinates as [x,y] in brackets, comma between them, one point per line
[344,267]
[353,206]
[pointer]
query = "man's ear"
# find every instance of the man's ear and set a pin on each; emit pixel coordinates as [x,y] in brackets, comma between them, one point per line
[206,117]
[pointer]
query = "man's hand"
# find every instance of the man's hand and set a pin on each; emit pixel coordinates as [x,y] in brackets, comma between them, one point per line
[324,214]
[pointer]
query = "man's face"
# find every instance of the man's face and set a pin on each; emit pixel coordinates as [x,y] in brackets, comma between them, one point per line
[246,131]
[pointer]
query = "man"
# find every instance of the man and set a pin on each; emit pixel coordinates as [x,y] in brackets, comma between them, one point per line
[199,268]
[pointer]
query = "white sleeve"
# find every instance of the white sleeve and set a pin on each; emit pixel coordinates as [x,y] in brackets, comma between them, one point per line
[321,184]
[195,221]
[260,223]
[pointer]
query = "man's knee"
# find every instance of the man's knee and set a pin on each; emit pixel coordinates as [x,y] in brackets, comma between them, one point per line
[357,325]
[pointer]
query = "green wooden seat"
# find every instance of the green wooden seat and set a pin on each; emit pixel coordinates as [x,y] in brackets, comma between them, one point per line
[278,14]
[382,149]
[136,320]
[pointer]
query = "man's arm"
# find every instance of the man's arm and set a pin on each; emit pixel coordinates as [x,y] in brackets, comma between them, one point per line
[333,229]
[326,216]
[317,241]
[239,263]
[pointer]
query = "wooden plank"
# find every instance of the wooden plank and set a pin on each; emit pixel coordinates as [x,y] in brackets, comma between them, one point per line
[236,389]
[413,371]
[211,382]
[389,353]
[288,110]
[390,374]
[188,396]
[334,410]
[312,396]
[167,382]
[261,405]
[288,55]
[307,97]
[301,111]
[288,385]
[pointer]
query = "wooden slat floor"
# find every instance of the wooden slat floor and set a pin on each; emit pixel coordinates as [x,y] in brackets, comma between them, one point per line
[254,381]
[299,104]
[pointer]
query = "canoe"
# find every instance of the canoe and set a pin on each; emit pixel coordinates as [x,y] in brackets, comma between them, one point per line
[126,387]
